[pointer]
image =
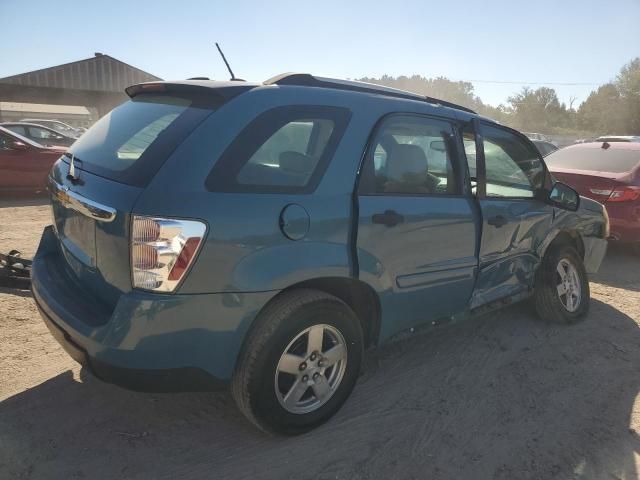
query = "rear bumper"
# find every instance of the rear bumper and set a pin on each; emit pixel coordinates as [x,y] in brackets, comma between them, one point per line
[144,380]
[149,341]
[624,220]
[623,231]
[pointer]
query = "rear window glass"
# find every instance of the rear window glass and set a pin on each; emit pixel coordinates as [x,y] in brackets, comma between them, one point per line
[285,149]
[131,142]
[596,159]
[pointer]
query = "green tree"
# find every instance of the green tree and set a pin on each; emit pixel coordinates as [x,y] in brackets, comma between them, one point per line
[538,110]
[440,87]
[628,83]
[602,111]
[461,93]
[612,108]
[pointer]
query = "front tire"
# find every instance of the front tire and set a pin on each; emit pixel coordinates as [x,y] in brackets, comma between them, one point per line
[562,287]
[300,362]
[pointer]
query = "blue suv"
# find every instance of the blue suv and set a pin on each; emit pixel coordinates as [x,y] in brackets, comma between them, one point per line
[263,235]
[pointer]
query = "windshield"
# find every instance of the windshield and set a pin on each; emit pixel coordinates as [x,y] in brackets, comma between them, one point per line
[133,140]
[614,160]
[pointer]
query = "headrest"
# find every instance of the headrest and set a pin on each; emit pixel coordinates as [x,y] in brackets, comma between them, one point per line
[406,158]
[295,162]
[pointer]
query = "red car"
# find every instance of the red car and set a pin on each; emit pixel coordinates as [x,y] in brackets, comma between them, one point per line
[24,164]
[608,173]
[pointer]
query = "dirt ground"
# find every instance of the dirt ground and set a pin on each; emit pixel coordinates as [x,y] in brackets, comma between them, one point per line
[502,396]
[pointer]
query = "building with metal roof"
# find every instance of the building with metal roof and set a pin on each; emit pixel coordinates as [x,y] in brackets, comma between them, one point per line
[95,83]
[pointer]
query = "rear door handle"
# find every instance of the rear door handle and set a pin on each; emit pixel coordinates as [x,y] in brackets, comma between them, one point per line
[497,221]
[390,218]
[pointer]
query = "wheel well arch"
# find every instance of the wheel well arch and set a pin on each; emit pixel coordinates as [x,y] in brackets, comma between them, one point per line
[358,295]
[568,237]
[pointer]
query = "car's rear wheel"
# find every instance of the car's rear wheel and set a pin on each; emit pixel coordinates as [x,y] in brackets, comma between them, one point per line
[299,363]
[562,286]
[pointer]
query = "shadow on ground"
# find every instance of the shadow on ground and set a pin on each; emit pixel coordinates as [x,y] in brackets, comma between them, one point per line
[501,396]
[621,268]
[15,291]
[23,200]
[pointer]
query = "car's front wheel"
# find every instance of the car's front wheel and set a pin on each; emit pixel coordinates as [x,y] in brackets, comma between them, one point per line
[299,363]
[562,286]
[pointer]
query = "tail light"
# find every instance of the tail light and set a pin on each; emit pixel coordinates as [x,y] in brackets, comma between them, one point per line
[162,249]
[624,194]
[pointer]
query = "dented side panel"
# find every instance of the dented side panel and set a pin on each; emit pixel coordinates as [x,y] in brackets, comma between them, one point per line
[511,254]
[509,248]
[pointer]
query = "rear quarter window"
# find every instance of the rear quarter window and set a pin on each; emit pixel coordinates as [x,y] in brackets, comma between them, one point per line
[131,143]
[284,150]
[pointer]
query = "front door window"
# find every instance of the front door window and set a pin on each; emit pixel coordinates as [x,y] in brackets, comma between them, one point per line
[513,167]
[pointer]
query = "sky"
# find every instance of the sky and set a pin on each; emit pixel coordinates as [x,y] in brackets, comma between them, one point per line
[559,42]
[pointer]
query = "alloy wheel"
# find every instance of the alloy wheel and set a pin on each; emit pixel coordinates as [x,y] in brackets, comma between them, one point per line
[311,369]
[568,286]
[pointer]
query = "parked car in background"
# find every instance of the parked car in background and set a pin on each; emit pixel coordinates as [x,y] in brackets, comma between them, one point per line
[57,125]
[208,232]
[538,136]
[618,138]
[45,136]
[608,173]
[545,148]
[24,164]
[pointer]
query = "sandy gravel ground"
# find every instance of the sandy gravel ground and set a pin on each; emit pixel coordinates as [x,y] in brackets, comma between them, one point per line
[501,396]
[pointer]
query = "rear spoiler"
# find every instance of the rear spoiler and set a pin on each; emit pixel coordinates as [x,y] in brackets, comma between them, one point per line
[203,90]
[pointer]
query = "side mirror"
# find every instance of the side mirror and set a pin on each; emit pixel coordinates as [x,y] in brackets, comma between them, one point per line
[17,145]
[564,196]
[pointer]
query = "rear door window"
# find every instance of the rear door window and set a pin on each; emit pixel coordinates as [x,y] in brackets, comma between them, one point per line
[285,149]
[412,155]
[130,143]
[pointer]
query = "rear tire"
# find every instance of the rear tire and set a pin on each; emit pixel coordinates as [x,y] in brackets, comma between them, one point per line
[562,287]
[300,362]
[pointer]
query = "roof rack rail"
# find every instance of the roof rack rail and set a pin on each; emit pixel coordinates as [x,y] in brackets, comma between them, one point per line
[308,80]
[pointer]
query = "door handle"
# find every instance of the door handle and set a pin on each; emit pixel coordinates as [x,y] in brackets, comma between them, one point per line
[390,218]
[497,221]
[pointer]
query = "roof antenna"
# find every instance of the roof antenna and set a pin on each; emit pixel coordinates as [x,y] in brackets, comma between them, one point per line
[233,77]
